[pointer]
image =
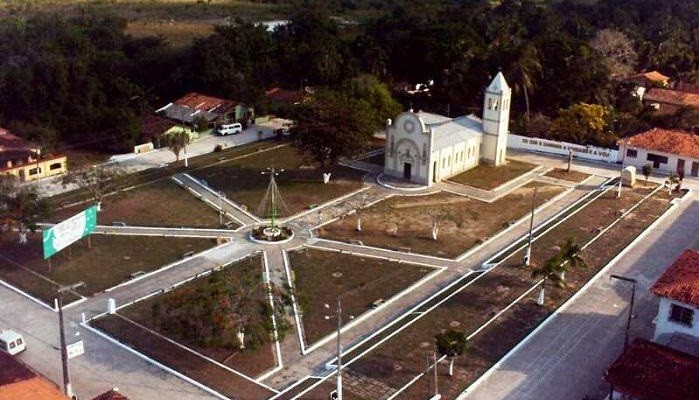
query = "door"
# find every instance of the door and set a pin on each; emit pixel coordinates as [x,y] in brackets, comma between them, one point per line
[695,168]
[434,172]
[680,167]
[407,170]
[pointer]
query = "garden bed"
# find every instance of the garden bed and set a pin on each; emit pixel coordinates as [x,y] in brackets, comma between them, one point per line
[194,315]
[403,357]
[406,221]
[110,260]
[301,182]
[489,177]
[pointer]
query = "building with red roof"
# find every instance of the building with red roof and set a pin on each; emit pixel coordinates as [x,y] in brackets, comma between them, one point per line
[215,110]
[667,101]
[667,150]
[21,159]
[678,289]
[650,371]
[111,395]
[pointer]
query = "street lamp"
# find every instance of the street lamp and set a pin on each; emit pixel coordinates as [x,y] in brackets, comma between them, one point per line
[338,316]
[220,208]
[528,254]
[67,389]
[633,295]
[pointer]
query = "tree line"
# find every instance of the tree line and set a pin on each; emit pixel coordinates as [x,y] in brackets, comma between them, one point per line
[82,79]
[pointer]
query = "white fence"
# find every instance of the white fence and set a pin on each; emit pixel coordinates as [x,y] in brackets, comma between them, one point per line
[553,147]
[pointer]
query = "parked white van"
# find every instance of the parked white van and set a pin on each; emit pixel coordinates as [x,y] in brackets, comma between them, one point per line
[12,342]
[230,129]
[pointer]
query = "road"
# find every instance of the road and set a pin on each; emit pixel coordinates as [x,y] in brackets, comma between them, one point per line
[567,359]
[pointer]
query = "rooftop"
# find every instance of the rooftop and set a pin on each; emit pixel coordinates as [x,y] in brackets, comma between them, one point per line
[9,142]
[198,101]
[111,395]
[681,281]
[17,382]
[648,370]
[667,141]
[674,97]
[652,76]
[448,131]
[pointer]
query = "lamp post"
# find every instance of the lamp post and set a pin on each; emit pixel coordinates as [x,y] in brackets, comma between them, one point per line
[338,316]
[528,254]
[633,295]
[67,388]
[621,172]
[220,208]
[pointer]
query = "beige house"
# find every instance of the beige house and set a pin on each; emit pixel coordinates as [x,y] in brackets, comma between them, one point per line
[425,148]
[20,159]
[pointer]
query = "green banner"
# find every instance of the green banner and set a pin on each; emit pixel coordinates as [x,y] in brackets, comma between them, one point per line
[69,231]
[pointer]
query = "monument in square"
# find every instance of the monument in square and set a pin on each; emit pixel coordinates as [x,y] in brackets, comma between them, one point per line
[271,206]
[426,148]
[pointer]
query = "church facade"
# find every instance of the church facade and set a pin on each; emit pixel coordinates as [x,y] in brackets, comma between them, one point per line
[426,148]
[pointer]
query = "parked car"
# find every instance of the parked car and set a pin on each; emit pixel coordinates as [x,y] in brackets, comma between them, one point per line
[12,342]
[229,129]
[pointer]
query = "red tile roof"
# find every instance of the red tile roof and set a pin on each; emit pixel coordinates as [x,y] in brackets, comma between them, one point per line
[9,141]
[674,97]
[111,395]
[681,281]
[18,382]
[687,87]
[651,76]
[198,101]
[667,141]
[650,371]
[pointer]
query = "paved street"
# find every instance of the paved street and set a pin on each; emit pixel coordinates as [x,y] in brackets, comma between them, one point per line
[566,360]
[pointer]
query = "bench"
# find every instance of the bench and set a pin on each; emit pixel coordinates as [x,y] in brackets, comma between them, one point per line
[376,303]
[136,274]
[312,206]
[355,241]
[230,224]
[405,249]
[118,223]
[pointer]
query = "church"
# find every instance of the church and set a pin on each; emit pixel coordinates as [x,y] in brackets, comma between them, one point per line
[425,148]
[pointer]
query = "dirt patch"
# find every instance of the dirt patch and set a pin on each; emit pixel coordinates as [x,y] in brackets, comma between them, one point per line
[572,176]
[489,177]
[320,276]
[406,221]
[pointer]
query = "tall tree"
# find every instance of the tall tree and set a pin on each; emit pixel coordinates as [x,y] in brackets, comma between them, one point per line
[21,208]
[451,344]
[97,181]
[176,142]
[569,255]
[617,50]
[583,124]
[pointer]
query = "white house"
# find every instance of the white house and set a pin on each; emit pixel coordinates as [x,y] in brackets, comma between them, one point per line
[670,151]
[426,148]
[678,289]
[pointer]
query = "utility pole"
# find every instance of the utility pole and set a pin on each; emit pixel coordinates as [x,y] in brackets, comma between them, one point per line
[67,388]
[633,295]
[338,316]
[528,254]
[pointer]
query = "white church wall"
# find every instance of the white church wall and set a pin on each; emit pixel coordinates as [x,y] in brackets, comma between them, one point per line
[561,148]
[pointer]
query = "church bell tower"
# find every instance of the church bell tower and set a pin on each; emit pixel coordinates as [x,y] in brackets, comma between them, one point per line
[496,120]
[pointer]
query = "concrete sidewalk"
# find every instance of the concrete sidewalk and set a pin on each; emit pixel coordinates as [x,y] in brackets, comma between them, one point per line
[567,358]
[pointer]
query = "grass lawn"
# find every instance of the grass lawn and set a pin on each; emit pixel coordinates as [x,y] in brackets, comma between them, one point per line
[301,182]
[573,176]
[378,159]
[182,301]
[143,206]
[319,276]
[213,376]
[489,177]
[402,357]
[111,260]
[155,174]
[406,221]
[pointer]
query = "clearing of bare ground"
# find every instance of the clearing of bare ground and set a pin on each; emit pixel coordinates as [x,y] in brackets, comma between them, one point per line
[320,276]
[406,221]
[102,261]
[572,176]
[402,358]
[489,177]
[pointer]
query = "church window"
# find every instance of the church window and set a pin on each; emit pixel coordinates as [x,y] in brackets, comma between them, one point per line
[469,153]
[495,104]
[490,103]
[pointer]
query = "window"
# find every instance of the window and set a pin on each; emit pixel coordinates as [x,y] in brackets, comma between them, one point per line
[33,171]
[633,153]
[681,315]
[55,166]
[12,345]
[19,342]
[3,345]
[656,159]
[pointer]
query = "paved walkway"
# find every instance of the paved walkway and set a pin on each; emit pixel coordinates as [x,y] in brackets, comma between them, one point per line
[566,359]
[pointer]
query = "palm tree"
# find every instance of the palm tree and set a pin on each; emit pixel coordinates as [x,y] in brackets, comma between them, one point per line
[569,255]
[451,344]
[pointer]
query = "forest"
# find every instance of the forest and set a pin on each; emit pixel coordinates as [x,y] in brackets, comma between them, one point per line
[79,78]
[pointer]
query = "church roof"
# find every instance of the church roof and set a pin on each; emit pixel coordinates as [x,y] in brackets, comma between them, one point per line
[450,131]
[498,84]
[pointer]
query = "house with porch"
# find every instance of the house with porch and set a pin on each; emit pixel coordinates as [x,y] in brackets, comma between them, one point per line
[214,110]
[426,148]
[669,151]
